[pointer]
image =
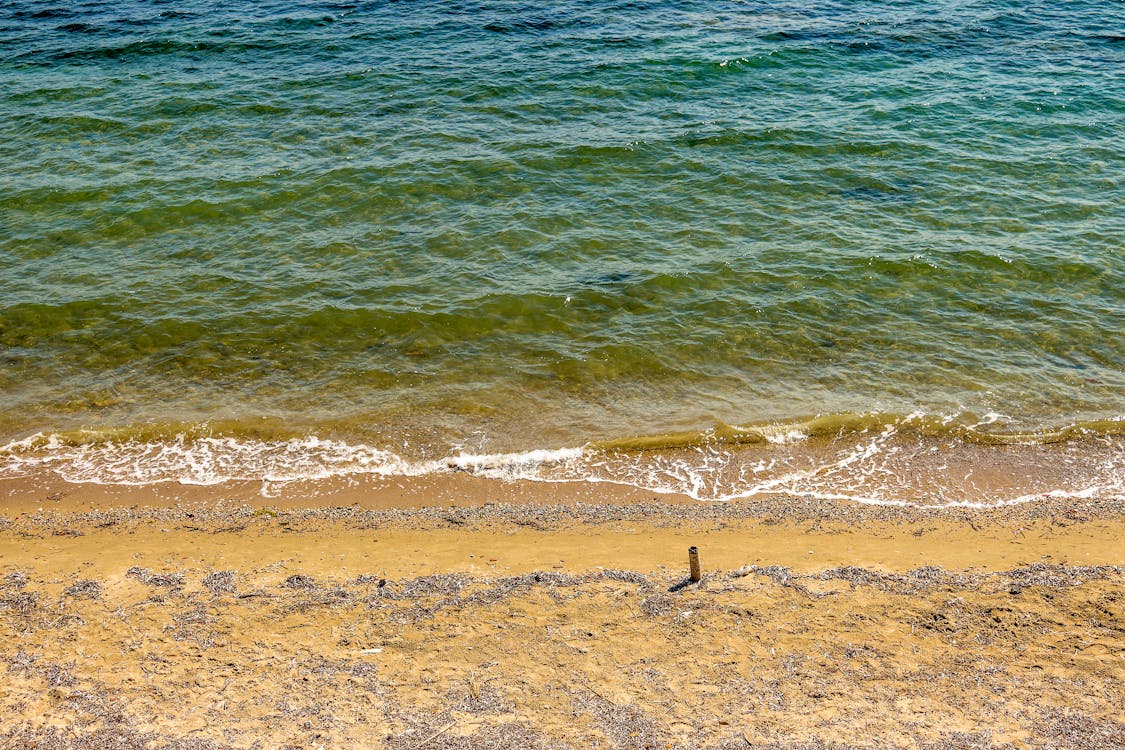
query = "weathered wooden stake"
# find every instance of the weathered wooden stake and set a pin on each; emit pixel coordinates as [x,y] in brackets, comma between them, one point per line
[693,562]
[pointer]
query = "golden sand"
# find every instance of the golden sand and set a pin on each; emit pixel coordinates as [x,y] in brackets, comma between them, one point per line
[223,625]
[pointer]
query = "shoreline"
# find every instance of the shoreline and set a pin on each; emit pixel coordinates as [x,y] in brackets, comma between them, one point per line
[873,462]
[45,491]
[556,624]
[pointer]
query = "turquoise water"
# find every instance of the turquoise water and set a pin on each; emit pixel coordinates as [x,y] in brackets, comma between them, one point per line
[432,228]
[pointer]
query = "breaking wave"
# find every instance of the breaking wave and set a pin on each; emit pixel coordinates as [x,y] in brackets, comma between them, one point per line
[876,459]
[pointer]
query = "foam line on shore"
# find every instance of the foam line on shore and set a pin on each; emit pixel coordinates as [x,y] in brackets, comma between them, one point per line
[889,466]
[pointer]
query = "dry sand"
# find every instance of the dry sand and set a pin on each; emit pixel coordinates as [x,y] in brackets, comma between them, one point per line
[209,624]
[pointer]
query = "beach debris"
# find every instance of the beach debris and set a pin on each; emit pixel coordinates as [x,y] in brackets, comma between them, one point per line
[220,582]
[657,605]
[84,590]
[625,724]
[15,580]
[147,577]
[1043,574]
[23,602]
[22,662]
[625,576]
[435,735]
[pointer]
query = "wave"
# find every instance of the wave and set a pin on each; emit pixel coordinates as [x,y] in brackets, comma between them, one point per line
[916,460]
[115,51]
[988,429]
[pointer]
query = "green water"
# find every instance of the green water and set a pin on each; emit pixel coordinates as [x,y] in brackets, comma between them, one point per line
[507,225]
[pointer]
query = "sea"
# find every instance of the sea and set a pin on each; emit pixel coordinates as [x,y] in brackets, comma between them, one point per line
[862,250]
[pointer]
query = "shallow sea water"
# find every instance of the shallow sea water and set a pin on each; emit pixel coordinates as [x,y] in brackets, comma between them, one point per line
[419,231]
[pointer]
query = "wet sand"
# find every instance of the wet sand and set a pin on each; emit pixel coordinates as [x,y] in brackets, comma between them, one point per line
[426,614]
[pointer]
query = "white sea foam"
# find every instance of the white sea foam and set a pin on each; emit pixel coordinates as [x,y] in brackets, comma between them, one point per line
[198,461]
[786,437]
[874,469]
[512,466]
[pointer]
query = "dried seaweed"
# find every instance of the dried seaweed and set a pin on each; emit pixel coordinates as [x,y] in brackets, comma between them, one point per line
[299,582]
[220,582]
[162,580]
[84,589]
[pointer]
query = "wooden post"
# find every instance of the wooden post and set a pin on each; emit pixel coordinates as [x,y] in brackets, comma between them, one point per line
[693,562]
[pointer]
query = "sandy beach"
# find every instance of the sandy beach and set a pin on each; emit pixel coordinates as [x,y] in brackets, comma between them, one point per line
[368,370]
[136,619]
